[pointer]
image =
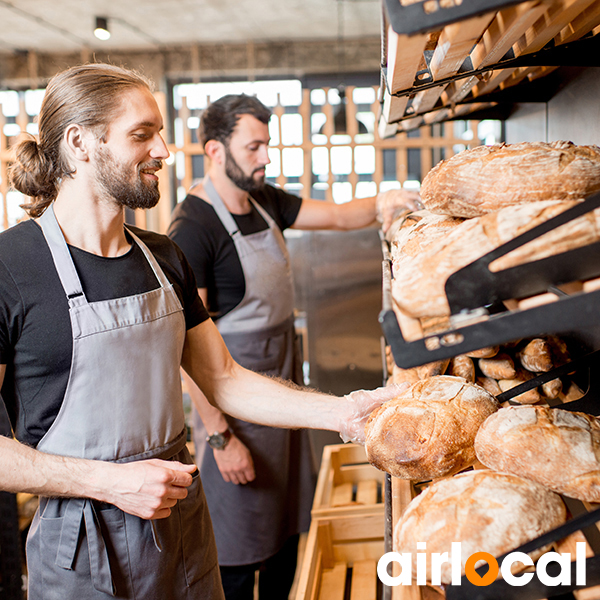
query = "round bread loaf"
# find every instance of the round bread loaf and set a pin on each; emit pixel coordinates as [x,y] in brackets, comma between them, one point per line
[484,510]
[557,448]
[487,178]
[428,430]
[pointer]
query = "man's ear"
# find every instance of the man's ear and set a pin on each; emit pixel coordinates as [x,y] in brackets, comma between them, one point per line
[78,142]
[215,150]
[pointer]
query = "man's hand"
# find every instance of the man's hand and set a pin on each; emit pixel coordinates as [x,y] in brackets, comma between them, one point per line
[359,405]
[391,204]
[235,462]
[148,488]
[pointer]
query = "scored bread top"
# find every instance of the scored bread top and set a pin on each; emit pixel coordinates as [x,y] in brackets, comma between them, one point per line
[557,448]
[429,429]
[487,178]
[485,510]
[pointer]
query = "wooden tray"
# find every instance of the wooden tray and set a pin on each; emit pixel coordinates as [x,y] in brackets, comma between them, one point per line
[347,483]
[468,59]
[342,553]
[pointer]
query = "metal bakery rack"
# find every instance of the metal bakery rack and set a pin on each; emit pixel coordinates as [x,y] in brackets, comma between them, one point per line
[479,319]
[445,59]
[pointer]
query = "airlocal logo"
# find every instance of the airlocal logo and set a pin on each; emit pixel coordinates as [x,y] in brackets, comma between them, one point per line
[438,559]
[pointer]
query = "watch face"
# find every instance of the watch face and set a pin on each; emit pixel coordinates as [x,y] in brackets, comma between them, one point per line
[217,441]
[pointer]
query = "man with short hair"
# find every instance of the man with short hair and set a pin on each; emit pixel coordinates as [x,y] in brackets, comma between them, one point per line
[259,480]
[96,319]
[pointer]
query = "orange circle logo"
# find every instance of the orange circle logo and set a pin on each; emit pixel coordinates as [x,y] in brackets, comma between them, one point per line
[472,574]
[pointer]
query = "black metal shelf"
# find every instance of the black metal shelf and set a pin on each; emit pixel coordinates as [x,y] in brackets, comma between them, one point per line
[474,293]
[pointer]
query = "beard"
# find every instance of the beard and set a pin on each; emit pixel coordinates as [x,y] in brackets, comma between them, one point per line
[248,183]
[116,181]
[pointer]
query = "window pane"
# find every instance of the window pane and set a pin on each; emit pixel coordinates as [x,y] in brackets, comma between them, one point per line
[364,159]
[274,130]
[273,169]
[320,161]
[293,162]
[341,160]
[291,130]
[342,192]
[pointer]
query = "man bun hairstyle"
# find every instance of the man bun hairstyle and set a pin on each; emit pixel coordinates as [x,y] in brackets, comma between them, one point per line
[219,120]
[87,95]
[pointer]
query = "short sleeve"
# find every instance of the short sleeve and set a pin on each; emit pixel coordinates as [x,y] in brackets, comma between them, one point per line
[11,315]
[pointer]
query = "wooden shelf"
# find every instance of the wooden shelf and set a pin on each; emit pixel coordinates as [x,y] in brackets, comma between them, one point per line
[449,71]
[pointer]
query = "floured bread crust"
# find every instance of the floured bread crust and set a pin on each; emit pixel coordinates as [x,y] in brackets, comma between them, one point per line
[428,431]
[488,178]
[557,448]
[484,510]
[418,283]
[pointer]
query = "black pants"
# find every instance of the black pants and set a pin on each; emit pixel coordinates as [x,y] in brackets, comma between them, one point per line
[275,575]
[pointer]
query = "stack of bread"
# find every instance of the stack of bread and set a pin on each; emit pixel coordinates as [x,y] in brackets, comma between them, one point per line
[480,199]
[448,419]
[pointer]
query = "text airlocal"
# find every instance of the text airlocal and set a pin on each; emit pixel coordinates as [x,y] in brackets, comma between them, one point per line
[439,558]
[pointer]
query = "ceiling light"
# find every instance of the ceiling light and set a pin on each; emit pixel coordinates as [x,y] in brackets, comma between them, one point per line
[101,31]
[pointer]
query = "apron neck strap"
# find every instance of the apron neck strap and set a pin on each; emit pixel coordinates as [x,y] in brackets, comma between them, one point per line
[60,253]
[225,216]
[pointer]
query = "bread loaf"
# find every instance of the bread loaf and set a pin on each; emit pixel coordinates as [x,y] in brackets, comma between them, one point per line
[418,286]
[418,231]
[484,510]
[488,178]
[529,397]
[428,430]
[536,356]
[462,366]
[500,366]
[557,448]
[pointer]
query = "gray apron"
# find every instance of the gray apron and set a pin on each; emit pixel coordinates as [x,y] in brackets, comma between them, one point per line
[253,521]
[122,403]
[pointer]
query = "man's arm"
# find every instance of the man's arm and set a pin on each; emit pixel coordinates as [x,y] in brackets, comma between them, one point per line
[268,401]
[147,489]
[362,212]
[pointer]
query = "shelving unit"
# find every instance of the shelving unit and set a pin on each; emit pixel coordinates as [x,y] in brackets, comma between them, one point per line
[445,60]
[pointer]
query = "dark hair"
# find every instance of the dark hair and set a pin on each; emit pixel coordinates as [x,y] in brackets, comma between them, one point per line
[219,120]
[88,95]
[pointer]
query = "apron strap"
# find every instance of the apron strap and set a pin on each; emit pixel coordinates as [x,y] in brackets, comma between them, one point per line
[61,256]
[220,208]
[79,509]
[158,272]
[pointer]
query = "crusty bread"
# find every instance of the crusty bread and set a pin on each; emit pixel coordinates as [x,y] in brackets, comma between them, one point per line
[557,448]
[462,366]
[487,178]
[484,510]
[418,285]
[418,231]
[500,366]
[536,356]
[428,430]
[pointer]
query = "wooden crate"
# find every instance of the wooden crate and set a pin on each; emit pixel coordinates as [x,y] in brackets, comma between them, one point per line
[347,483]
[342,552]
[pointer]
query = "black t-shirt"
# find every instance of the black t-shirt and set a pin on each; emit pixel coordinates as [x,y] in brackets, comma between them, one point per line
[198,231]
[35,330]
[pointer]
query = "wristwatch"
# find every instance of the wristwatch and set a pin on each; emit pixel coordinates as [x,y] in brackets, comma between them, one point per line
[218,441]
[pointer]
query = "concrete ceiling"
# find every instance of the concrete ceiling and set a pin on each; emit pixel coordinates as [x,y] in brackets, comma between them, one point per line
[54,26]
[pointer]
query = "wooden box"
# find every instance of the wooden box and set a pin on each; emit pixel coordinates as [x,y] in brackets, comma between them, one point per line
[342,554]
[347,483]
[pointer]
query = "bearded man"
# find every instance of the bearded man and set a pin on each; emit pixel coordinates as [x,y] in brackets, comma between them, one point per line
[96,320]
[259,480]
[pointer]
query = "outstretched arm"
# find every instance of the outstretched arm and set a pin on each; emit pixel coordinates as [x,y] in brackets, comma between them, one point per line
[268,401]
[362,212]
[148,489]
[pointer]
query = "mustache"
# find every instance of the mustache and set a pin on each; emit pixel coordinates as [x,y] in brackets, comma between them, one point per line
[153,164]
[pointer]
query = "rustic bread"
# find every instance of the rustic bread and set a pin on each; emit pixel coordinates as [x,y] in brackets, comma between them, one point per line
[484,510]
[557,448]
[418,285]
[462,366]
[488,178]
[428,430]
[418,231]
